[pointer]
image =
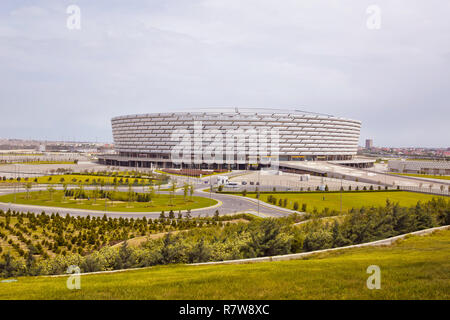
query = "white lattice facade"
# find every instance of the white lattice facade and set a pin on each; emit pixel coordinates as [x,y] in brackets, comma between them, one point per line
[301,135]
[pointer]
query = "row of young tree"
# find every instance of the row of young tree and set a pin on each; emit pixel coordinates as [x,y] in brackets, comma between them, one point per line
[48,235]
[258,238]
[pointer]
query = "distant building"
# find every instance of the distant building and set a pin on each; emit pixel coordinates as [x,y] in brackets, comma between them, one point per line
[369,143]
[421,167]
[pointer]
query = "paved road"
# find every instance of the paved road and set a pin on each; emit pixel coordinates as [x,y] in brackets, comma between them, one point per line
[227,204]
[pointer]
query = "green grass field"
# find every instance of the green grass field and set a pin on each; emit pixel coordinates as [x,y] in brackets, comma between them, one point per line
[429,176]
[414,268]
[349,199]
[159,203]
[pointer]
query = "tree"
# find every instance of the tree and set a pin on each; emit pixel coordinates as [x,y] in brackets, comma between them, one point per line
[268,239]
[317,240]
[191,191]
[65,189]
[126,258]
[171,250]
[338,239]
[114,192]
[7,266]
[130,193]
[199,253]
[151,191]
[186,188]
[159,183]
[95,193]
[50,190]
[173,187]
[28,187]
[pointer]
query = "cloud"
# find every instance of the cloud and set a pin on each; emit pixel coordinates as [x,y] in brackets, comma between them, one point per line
[149,56]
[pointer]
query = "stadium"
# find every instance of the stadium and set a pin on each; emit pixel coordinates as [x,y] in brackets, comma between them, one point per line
[147,140]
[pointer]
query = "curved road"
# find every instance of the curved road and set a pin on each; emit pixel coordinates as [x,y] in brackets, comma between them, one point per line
[228,204]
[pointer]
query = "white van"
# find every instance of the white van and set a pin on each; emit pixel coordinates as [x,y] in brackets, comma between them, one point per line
[232,185]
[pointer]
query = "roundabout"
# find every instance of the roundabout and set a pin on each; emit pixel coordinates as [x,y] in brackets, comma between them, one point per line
[205,204]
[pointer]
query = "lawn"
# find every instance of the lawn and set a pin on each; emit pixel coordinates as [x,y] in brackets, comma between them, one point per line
[349,199]
[160,202]
[429,176]
[415,268]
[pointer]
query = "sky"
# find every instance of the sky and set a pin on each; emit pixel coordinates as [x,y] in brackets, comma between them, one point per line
[388,68]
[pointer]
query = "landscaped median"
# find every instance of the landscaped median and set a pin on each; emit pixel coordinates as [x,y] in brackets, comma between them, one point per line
[121,201]
[319,200]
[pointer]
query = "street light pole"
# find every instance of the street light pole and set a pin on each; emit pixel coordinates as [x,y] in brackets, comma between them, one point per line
[259,186]
[341,194]
[15,182]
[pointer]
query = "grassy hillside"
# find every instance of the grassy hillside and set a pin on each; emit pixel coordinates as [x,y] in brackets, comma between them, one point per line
[349,199]
[415,268]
